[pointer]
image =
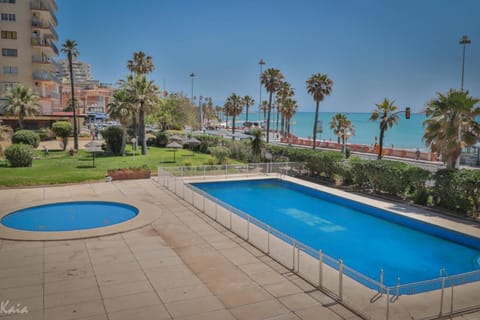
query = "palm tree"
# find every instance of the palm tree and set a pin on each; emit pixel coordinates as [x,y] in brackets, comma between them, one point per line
[234,105]
[248,101]
[256,144]
[288,110]
[341,124]
[145,94]
[284,91]
[451,123]
[271,79]
[70,48]
[318,85]
[122,109]
[140,64]
[264,108]
[386,112]
[21,102]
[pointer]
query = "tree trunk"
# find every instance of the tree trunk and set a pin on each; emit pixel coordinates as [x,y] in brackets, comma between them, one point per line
[268,116]
[141,120]
[72,87]
[380,141]
[246,118]
[233,127]
[315,125]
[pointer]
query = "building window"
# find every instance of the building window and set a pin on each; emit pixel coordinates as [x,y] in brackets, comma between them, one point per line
[9,52]
[9,34]
[7,17]
[10,70]
[8,86]
[7,1]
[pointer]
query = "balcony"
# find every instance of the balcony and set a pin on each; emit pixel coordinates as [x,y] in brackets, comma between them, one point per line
[37,23]
[41,6]
[40,59]
[45,43]
[44,76]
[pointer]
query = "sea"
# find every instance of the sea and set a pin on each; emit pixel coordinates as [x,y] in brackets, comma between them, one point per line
[406,134]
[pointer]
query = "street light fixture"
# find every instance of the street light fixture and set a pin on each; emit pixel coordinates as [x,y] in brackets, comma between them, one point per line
[464,41]
[192,75]
[261,63]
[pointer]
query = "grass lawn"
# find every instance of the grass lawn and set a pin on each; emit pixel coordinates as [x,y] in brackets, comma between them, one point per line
[60,167]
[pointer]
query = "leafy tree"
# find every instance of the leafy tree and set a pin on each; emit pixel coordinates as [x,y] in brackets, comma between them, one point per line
[220,153]
[21,102]
[144,94]
[341,125]
[248,101]
[271,79]
[451,123]
[62,129]
[176,112]
[318,85]
[385,111]
[70,104]
[234,107]
[70,48]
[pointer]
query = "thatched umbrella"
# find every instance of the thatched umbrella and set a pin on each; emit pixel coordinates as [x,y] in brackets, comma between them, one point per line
[174,145]
[175,138]
[192,142]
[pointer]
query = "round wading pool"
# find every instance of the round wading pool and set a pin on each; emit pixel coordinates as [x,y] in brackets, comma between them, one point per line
[69,216]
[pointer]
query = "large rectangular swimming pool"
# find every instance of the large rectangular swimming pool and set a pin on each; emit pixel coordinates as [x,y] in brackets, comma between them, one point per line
[366,238]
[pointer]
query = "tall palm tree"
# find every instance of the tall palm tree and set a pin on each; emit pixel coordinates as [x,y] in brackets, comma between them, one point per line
[271,79]
[256,144]
[145,95]
[248,101]
[451,122]
[288,110]
[21,102]
[264,108]
[341,124]
[284,91]
[70,48]
[140,64]
[318,85]
[386,112]
[122,109]
[235,106]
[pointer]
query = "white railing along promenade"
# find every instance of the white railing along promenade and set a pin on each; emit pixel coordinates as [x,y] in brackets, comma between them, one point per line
[370,298]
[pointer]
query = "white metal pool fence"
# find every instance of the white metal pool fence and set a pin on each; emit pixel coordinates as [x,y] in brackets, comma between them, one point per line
[436,298]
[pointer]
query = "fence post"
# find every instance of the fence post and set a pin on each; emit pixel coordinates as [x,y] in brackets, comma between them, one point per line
[320,271]
[340,278]
[268,240]
[441,296]
[230,222]
[216,209]
[204,172]
[388,303]
[298,259]
[248,227]
[451,300]
[293,256]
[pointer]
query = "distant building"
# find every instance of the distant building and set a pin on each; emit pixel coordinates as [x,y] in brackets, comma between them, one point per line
[28,40]
[81,70]
[91,96]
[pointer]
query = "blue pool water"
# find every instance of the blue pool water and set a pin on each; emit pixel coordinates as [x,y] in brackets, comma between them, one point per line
[367,239]
[68,216]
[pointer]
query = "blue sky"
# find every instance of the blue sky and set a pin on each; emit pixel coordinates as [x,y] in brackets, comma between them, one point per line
[405,50]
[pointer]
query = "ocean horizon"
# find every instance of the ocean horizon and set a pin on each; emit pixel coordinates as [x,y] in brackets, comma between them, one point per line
[406,134]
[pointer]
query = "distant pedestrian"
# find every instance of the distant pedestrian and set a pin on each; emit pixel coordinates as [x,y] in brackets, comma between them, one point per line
[417,154]
[45,150]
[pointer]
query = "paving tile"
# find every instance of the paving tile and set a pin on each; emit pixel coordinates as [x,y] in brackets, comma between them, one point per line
[194,306]
[238,255]
[21,281]
[69,273]
[299,301]
[132,301]
[259,311]
[131,267]
[317,312]
[124,289]
[30,315]
[212,315]
[268,277]
[157,312]
[70,285]
[71,297]
[235,297]
[121,277]
[22,292]
[281,289]
[75,311]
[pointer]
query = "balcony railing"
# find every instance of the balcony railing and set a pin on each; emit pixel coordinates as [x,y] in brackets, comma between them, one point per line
[42,75]
[40,59]
[37,23]
[45,43]
[41,6]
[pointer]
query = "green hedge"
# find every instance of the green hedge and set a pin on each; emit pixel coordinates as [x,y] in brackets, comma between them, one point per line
[113,136]
[62,129]
[19,155]
[26,137]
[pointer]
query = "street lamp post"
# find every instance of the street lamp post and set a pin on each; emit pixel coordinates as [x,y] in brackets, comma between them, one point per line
[192,75]
[201,112]
[261,63]
[464,41]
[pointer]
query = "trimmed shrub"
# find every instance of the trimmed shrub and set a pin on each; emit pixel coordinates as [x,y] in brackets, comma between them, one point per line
[62,129]
[113,136]
[26,137]
[19,155]
[46,134]
[160,139]
[206,142]
[220,154]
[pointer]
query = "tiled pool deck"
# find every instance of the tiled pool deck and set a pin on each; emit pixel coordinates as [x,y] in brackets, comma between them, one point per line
[179,265]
